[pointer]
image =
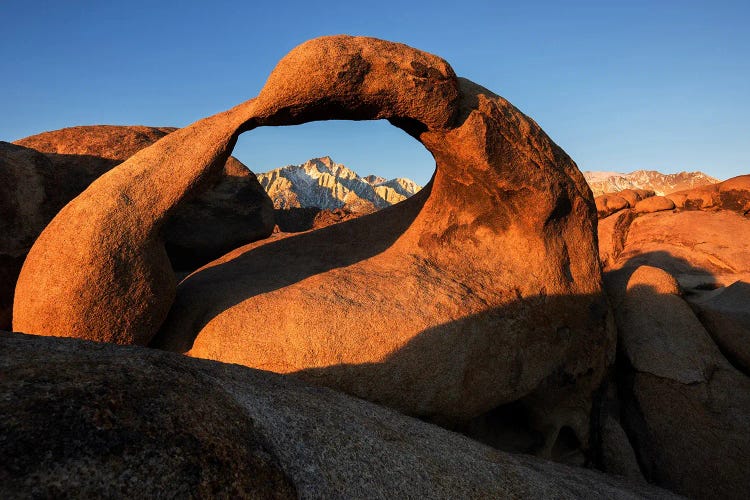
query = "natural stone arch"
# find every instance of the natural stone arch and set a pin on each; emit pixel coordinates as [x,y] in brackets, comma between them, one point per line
[501,244]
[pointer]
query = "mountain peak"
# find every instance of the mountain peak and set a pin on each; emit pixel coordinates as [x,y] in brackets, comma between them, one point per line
[323,183]
[661,184]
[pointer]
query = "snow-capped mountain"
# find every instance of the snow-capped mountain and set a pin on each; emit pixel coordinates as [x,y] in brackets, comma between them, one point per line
[325,184]
[661,184]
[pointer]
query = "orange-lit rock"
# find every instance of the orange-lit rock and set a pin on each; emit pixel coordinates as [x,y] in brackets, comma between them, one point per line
[484,288]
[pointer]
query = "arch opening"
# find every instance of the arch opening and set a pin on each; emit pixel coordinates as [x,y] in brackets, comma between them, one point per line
[324,172]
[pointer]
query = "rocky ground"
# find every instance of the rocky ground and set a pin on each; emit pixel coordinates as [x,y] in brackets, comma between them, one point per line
[498,334]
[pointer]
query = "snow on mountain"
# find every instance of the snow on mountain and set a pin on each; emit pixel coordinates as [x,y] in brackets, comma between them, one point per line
[661,184]
[323,183]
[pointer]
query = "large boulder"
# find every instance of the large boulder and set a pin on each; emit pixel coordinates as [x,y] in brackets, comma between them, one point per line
[42,173]
[686,410]
[482,289]
[607,204]
[232,210]
[725,313]
[30,188]
[654,204]
[702,249]
[91,420]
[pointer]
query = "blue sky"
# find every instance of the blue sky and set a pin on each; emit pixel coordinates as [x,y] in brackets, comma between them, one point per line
[620,85]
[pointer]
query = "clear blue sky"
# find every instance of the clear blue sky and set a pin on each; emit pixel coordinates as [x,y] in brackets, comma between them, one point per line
[620,85]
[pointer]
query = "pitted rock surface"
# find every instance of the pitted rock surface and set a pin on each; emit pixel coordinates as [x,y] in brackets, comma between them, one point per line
[93,420]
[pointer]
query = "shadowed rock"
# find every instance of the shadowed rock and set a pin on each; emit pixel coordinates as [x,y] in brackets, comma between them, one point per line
[232,210]
[686,409]
[726,315]
[484,287]
[88,420]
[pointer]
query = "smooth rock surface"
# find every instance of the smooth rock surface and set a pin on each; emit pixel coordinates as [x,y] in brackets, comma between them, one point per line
[91,420]
[607,204]
[654,204]
[686,410]
[726,315]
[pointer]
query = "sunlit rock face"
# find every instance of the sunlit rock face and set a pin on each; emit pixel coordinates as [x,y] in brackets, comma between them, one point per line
[325,184]
[482,289]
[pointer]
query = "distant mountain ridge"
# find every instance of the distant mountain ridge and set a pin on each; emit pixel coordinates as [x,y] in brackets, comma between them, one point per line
[661,184]
[325,184]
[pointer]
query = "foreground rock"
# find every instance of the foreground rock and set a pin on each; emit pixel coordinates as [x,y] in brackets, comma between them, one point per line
[445,305]
[232,210]
[685,408]
[91,420]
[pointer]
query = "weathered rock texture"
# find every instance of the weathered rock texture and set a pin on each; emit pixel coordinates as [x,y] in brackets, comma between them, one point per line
[483,288]
[232,209]
[685,408]
[87,420]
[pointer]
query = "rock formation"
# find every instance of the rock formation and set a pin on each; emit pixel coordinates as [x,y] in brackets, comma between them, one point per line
[482,289]
[661,184]
[654,204]
[732,194]
[88,420]
[35,186]
[232,211]
[324,184]
[29,197]
[686,409]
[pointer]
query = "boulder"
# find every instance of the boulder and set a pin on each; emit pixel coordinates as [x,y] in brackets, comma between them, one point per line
[30,196]
[732,194]
[654,204]
[232,210]
[93,420]
[726,315]
[607,204]
[445,305]
[685,408]
[702,249]
[633,196]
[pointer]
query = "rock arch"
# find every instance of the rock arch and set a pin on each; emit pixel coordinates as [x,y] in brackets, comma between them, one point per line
[494,287]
